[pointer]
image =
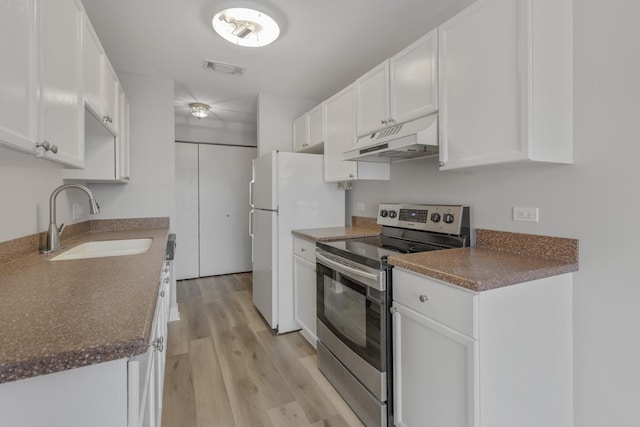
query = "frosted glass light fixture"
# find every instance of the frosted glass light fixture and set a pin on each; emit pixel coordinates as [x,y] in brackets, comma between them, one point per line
[199,110]
[246,25]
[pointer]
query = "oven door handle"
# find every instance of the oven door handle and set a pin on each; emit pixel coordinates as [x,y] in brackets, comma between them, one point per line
[350,271]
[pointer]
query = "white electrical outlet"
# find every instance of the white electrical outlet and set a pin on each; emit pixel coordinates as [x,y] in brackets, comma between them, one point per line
[525,214]
[76,211]
[360,206]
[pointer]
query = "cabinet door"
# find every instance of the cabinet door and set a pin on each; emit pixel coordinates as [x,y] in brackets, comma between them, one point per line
[340,115]
[122,140]
[372,99]
[111,98]
[17,75]
[304,282]
[93,65]
[483,123]
[300,133]
[61,103]
[414,80]
[316,125]
[435,372]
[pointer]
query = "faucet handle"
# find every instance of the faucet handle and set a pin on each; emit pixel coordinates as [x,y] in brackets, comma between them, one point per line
[61,229]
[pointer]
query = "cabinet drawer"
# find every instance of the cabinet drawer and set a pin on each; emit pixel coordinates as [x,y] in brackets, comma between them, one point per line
[451,306]
[305,249]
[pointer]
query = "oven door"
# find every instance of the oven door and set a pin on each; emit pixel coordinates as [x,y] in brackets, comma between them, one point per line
[351,301]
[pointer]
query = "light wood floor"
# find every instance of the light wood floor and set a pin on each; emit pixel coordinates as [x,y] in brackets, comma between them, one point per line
[225,368]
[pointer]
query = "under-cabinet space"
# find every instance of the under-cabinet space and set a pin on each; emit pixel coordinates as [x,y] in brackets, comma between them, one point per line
[104,154]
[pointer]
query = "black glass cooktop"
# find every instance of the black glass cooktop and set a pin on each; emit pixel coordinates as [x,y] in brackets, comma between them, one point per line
[373,251]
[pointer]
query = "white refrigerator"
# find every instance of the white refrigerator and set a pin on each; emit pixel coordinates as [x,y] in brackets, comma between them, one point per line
[287,193]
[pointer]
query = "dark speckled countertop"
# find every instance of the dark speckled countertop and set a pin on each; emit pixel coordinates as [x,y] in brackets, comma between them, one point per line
[498,259]
[362,227]
[66,314]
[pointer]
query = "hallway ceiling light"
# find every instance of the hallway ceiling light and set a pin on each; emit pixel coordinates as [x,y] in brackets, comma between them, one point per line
[246,24]
[199,110]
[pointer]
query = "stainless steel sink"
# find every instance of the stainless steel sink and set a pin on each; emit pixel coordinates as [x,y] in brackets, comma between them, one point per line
[106,248]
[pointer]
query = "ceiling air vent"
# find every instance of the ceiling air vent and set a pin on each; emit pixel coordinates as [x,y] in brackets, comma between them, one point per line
[221,67]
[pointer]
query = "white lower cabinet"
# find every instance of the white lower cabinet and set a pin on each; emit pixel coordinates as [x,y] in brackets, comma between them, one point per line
[497,358]
[304,288]
[119,393]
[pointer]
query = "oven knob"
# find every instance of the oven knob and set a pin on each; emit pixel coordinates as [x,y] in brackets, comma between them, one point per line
[384,213]
[448,218]
[435,217]
[392,214]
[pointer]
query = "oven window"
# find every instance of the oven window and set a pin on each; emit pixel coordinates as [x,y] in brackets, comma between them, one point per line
[346,310]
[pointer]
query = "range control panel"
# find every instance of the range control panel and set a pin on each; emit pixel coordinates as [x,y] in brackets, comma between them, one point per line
[447,219]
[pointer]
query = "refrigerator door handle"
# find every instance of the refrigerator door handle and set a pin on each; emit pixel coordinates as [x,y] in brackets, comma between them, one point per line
[251,222]
[251,193]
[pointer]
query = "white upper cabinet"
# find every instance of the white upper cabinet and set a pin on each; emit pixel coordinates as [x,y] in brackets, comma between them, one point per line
[17,75]
[340,124]
[414,80]
[93,63]
[372,94]
[400,89]
[61,105]
[505,69]
[111,98]
[123,136]
[309,131]
[41,75]
[101,87]
[300,132]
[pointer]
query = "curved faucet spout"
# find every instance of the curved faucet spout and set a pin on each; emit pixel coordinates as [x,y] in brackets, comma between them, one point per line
[53,236]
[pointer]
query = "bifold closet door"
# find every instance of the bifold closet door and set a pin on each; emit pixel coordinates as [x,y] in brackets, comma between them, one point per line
[187,262]
[224,176]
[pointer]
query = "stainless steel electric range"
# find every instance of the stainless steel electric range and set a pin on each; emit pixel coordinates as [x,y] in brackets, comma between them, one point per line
[354,292]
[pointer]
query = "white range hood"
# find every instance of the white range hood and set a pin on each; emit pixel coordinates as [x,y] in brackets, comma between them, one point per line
[417,138]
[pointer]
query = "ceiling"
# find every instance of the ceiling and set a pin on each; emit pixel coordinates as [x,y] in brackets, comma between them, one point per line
[325,45]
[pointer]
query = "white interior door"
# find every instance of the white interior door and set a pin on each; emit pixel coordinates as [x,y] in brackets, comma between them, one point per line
[187,230]
[224,176]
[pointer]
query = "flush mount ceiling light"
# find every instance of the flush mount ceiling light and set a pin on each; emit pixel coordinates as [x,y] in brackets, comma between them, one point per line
[199,110]
[246,24]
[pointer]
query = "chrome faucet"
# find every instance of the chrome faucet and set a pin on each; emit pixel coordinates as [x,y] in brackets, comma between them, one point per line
[53,236]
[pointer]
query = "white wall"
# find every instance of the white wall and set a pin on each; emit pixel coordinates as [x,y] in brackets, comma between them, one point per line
[25,186]
[215,132]
[150,193]
[596,200]
[275,121]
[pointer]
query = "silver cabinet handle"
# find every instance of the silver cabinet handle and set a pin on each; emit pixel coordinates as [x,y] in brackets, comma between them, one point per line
[158,344]
[251,193]
[423,298]
[251,223]
[46,146]
[303,250]
[107,119]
